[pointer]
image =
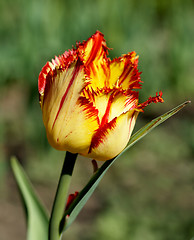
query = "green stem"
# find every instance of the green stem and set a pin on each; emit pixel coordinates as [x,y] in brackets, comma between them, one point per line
[61,196]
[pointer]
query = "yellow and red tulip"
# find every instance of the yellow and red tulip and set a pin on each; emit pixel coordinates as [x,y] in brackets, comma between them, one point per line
[89,103]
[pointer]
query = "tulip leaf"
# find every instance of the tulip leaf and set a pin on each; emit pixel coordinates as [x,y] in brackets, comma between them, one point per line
[74,209]
[37,219]
[154,123]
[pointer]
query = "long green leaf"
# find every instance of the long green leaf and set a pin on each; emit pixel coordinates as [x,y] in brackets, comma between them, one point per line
[87,191]
[37,219]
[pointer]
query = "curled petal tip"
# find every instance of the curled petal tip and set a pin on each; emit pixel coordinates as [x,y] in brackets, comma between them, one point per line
[156,99]
[49,70]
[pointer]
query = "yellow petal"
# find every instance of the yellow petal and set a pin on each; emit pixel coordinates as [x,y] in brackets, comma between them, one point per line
[50,69]
[66,121]
[100,102]
[124,72]
[112,138]
[123,103]
[61,92]
[74,132]
[93,53]
[114,103]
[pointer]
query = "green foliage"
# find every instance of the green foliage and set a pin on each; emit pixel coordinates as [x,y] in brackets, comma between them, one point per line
[156,170]
[37,218]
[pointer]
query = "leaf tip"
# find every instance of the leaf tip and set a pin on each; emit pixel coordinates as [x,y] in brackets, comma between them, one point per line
[184,104]
[13,161]
[189,101]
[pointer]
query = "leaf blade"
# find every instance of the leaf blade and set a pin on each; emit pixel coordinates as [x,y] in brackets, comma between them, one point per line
[87,191]
[36,215]
[154,123]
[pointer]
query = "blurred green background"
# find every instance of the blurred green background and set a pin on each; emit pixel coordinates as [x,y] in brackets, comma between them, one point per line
[149,193]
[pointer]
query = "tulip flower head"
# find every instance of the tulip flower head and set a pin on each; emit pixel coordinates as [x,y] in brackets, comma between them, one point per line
[90,103]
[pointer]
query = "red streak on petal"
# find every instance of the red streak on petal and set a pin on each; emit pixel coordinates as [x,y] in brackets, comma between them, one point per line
[95,58]
[107,112]
[89,108]
[76,70]
[98,39]
[132,99]
[101,133]
[42,77]
[126,71]
[49,70]
[130,68]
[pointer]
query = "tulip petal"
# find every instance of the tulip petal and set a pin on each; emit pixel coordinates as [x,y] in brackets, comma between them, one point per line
[114,103]
[69,122]
[59,90]
[50,70]
[124,72]
[101,102]
[123,103]
[74,132]
[107,141]
[93,54]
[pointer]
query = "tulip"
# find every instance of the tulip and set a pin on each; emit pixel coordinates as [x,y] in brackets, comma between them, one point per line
[90,103]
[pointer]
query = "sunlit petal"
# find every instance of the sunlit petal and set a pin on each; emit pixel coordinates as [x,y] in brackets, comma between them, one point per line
[111,139]
[93,53]
[73,131]
[124,72]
